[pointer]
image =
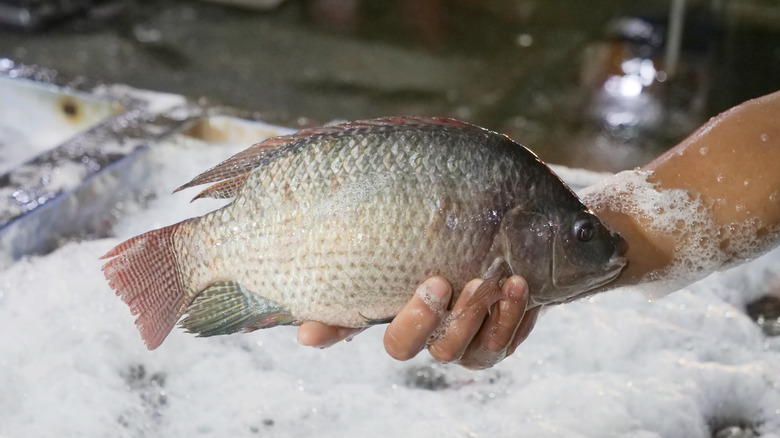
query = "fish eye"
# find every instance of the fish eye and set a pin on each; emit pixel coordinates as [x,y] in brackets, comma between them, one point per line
[584,230]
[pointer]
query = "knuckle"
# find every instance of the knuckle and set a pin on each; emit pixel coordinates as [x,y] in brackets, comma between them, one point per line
[483,357]
[493,347]
[443,355]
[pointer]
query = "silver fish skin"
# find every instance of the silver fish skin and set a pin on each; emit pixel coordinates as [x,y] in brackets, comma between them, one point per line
[339,224]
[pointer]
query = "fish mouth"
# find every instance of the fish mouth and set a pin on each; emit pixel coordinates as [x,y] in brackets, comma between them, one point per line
[617,262]
[615,266]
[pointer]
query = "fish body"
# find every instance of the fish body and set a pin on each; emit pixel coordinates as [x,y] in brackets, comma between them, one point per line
[339,224]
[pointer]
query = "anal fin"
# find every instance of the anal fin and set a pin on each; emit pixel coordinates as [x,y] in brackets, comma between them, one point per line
[225,307]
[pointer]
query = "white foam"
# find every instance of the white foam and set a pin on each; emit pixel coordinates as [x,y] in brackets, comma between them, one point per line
[702,247]
[436,303]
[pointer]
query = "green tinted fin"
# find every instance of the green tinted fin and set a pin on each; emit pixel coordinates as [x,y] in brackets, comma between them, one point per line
[387,320]
[226,307]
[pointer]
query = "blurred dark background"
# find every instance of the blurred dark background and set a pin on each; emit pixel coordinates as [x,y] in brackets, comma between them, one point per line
[602,84]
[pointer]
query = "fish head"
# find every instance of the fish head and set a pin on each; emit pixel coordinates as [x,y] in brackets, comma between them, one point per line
[585,255]
[562,256]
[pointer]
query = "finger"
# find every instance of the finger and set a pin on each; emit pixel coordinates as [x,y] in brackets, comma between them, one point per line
[491,343]
[460,327]
[319,335]
[412,327]
[529,320]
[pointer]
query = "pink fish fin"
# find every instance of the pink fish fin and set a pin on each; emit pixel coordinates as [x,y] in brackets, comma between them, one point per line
[240,164]
[487,293]
[228,188]
[226,307]
[144,273]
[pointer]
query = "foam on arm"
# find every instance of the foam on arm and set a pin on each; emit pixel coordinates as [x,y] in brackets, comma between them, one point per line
[709,203]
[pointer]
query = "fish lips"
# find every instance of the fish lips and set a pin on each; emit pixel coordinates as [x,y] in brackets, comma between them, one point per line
[618,262]
[577,287]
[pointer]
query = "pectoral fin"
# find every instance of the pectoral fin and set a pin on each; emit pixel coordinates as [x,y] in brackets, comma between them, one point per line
[226,307]
[490,290]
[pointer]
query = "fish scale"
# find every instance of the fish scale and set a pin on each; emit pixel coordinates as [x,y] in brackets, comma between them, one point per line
[339,224]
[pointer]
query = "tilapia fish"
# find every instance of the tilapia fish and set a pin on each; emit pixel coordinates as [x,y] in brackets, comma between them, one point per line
[339,224]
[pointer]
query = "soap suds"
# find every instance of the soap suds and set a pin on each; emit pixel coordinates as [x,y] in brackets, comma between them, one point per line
[702,245]
[436,303]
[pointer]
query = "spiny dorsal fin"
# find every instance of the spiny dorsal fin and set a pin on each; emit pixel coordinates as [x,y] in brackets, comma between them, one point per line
[225,307]
[240,164]
[244,162]
[224,189]
[382,122]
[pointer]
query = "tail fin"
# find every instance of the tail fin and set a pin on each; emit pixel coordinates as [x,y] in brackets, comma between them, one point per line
[145,275]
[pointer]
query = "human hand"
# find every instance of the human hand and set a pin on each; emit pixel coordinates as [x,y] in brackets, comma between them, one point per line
[474,337]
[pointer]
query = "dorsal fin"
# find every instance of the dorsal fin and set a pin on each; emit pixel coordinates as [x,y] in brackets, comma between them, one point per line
[240,164]
[392,121]
[224,189]
[237,168]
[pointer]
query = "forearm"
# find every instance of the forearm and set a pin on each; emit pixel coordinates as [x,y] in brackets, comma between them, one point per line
[711,201]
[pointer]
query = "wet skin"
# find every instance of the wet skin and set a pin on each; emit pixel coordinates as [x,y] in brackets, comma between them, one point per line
[743,143]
